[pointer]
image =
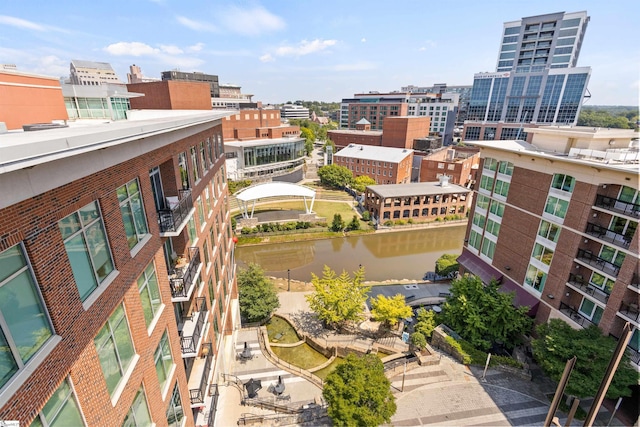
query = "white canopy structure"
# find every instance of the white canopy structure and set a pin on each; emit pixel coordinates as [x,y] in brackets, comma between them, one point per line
[273,189]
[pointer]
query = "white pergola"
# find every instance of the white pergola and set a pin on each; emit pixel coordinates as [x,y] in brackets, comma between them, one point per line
[273,189]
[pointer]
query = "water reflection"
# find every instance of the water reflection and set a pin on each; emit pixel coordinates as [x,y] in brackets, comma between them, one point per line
[398,255]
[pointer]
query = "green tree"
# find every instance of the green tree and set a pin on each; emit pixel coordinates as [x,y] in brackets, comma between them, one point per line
[418,340]
[559,342]
[354,224]
[309,137]
[390,310]
[338,300]
[338,223]
[483,315]
[329,143]
[257,297]
[446,264]
[358,393]
[335,176]
[238,185]
[425,322]
[361,182]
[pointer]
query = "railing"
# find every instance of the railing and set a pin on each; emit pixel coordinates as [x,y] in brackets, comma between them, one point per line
[634,355]
[600,263]
[189,343]
[616,205]
[213,391]
[181,283]
[630,310]
[197,395]
[608,235]
[575,315]
[578,282]
[170,219]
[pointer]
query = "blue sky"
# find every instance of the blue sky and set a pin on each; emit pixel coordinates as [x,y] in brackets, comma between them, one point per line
[310,50]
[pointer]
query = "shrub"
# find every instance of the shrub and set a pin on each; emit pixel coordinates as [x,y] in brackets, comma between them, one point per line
[400,222]
[246,230]
[410,221]
[388,223]
[366,216]
[418,340]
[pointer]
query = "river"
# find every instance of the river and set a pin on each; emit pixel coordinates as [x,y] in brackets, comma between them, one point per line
[406,254]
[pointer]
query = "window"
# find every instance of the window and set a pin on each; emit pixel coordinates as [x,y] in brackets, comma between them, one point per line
[502,188]
[505,168]
[474,240]
[493,227]
[497,208]
[201,218]
[163,361]
[490,164]
[602,282]
[138,415]
[482,202]
[535,278]
[184,170]
[203,158]
[115,348]
[24,322]
[60,410]
[612,255]
[556,207]
[563,182]
[191,228]
[590,310]
[135,222]
[87,248]
[549,231]
[175,413]
[542,254]
[149,293]
[194,163]
[488,248]
[478,220]
[486,183]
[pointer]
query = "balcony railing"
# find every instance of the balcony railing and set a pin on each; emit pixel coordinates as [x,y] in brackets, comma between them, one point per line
[198,395]
[634,355]
[575,315]
[608,235]
[192,329]
[181,279]
[618,206]
[213,391]
[171,218]
[600,263]
[577,281]
[630,310]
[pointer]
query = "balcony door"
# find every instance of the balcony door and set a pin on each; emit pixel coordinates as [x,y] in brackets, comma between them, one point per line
[156,186]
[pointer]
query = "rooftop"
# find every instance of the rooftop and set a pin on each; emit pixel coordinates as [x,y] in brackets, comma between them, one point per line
[416,188]
[258,142]
[357,132]
[369,152]
[91,64]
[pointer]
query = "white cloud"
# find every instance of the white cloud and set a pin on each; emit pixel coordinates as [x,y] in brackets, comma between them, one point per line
[305,47]
[251,22]
[12,21]
[39,62]
[363,40]
[171,49]
[195,48]
[196,25]
[131,49]
[267,58]
[428,44]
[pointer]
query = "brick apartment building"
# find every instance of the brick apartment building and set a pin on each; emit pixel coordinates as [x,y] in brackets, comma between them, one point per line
[398,132]
[171,95]
[460,164]
[385,165]
[250,124]
[556,223]
[118,297]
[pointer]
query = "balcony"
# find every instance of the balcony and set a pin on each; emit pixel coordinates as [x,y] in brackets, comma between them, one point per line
[608,235]
[618,206]
[600,263]
[635,283]
[575,315]
[183,278]
[630,312]
[577,283]
[199,377]
[173,219]
[634,355]
[192,329]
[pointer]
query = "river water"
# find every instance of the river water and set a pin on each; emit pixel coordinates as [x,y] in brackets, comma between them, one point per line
[385,256]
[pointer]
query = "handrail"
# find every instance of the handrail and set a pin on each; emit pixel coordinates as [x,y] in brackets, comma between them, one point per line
[181,285]
[600,263]
[197,395]
[574,315]
[617,205]
[608,235]
[170,219]
[189,344]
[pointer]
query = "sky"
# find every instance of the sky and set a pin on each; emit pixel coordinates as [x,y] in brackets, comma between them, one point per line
[325,50]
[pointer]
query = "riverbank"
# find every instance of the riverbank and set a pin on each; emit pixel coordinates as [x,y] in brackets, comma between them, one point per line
[299,286]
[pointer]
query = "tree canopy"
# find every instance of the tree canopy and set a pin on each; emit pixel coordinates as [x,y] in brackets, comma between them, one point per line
[338,300]
[446,264]
[358,393]
[338,223]
[390,310]
[609,117]
[257,297]
[559,342]
[335,176]
[425,322]
[483,315]
[361,182]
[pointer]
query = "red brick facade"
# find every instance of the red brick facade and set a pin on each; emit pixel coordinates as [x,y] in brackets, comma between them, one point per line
[459,164]
[171,95]
[256,124]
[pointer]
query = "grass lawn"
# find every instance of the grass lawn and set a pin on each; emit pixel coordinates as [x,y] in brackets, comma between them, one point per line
[321,208]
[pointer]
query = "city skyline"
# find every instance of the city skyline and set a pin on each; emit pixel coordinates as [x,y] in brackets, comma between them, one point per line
[287,52]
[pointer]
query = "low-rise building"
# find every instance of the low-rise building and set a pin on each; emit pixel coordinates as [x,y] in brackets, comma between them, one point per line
[385,165]
[279,159]
[293,111]
[398,132]
[92,73]
[460,164]
[171,95]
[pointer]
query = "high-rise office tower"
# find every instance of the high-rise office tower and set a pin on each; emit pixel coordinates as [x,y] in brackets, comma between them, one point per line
[536,81]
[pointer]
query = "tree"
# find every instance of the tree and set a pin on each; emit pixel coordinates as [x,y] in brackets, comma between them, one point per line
[361,182]
[418,340]
[358,393]
[337,224]
[329,143]
[559,342]
[446,264]
[335,176]
[309,137]
[258,297]
[483,315]
[425,322]
[338,300]
[354,224]
[390,310]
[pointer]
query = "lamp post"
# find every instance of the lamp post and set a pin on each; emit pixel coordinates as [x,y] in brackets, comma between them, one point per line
[288,280]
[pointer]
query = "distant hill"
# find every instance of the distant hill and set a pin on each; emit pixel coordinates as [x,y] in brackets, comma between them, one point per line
[609,116]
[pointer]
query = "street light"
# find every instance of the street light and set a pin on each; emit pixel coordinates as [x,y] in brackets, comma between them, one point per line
[288,280]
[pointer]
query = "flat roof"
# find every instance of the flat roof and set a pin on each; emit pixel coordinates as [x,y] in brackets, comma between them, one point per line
[356,132]
[416,188]
[372,152]
[258,142]
[19,150]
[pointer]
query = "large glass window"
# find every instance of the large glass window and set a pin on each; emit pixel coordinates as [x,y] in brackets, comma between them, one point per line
[497,208]
[194,163]
[474,239]
[135,222]
[201,218]
[601,282]
[612,255]
[87,248]
[542,254]
[149,293]
[556,207]
[549,231]
[488,248]
[184,170]
[115,348]
[478,220]
[24,322]
[501,188]
[563,182]
[60,410]
[486,183]
[163,361]
[535,278]
[138,415]
[493,227]
[482,202]
[590,310]
[175,413]
[191,228]
[506,168]
[203,158]
[490,164]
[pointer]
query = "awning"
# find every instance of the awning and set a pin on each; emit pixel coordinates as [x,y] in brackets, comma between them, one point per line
[476,266]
